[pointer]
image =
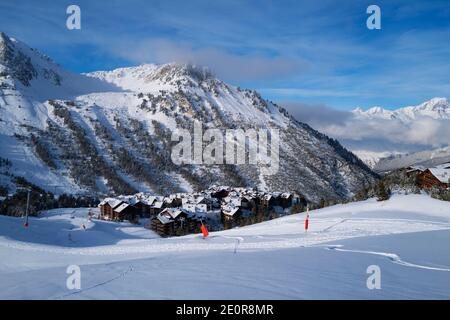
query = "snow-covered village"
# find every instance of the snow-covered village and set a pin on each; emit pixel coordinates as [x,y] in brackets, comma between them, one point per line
[198,151]
[220,207]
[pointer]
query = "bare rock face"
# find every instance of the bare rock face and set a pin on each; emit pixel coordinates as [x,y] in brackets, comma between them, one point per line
[17,63]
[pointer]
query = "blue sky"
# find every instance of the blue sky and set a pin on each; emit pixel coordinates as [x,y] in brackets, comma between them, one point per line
[309,52]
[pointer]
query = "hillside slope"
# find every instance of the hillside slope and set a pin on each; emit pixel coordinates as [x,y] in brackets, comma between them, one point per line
[109,132]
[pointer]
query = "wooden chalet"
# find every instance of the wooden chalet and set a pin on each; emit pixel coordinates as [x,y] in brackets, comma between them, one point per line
[414,170]
[248,203]
[168,221]
[230,213]
[268,200]
[172,202]
[285,200]
[434,177]
[142,208]
[107,207]
[157,207]
[125,211]
[220,193]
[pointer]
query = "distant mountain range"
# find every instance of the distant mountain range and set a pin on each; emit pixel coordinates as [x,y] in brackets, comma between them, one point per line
[436,108]
[405,136]
[108,132]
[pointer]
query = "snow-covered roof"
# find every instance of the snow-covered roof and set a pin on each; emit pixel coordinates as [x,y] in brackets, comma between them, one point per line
[129,199]
[133,200]
[173,213]
[199,199]
[216,188]
[111,201]
[443,166]
[158,204]
[168,200]
[443,175]
[148,200]
[233,200]
[122,207]
[195,208]
[163,219]
[230,210]
[416,168]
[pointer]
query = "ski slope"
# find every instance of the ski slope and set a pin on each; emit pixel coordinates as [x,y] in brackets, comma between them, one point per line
[407,237]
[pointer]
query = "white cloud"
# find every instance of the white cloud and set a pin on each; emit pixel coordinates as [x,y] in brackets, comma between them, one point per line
[226,65]
[374,134]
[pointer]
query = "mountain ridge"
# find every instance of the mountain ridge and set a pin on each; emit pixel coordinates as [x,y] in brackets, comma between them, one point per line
[436,108]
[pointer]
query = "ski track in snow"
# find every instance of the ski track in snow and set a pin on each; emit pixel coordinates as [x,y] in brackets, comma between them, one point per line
[246,241]
[120,276]
[394,258]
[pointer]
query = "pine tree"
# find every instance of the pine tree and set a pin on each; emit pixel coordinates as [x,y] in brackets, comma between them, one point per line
[382,192]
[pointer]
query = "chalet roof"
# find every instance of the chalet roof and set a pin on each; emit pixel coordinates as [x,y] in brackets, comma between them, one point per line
[173,213]
[230,210]
[187,200]
[164,219]
[115,203]
[233,200]
[443,175]
[199,199]
[195,208]
[216,188]
[267,196]
[443,166]
[133,200]
[286,195]
[158,204]
[112,202]
[168,200]
[122,207]
[129,199]
[416,168]
[148,200]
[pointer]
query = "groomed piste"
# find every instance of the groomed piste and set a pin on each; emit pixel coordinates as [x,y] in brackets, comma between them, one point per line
[406,236]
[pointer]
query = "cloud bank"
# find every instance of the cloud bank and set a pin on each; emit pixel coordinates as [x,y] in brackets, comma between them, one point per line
[228,66]
[376,135]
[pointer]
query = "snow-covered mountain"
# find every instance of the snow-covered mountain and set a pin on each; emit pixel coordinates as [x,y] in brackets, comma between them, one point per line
[109,132]
[390,139]
[436,108]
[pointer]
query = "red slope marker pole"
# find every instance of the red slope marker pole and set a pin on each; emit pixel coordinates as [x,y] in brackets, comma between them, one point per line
[204,231]
[307,219]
